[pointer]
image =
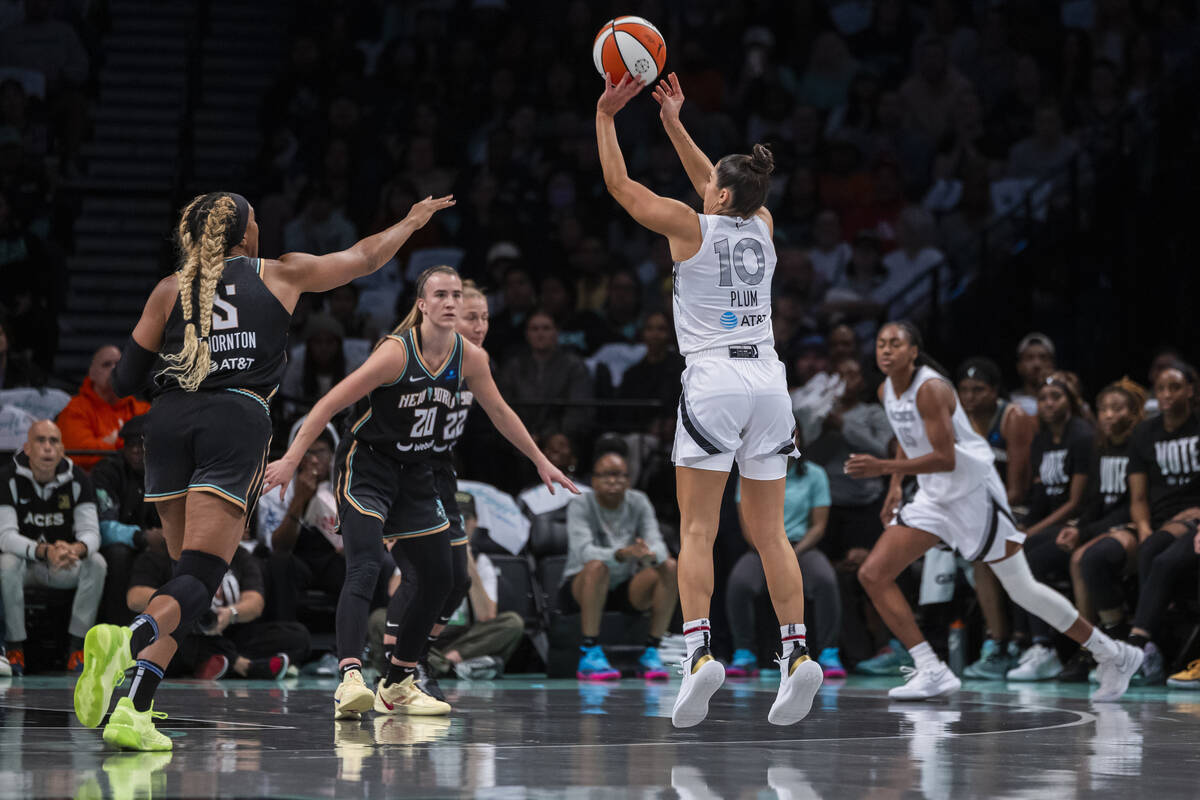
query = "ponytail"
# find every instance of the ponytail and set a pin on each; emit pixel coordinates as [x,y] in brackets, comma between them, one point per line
[205,229]
[414,317]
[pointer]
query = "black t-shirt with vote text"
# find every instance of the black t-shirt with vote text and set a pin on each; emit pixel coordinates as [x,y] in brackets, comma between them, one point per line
[1170,460]
[1054,463]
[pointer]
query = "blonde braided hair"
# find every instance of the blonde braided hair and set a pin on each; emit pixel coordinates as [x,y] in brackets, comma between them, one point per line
[203,260]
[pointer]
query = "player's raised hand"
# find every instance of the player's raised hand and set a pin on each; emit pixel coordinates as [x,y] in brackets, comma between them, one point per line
[279,473]
[421,212]
[668,95]
[616,96]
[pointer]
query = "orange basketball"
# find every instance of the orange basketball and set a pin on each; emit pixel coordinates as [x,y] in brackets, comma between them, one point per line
[629,44]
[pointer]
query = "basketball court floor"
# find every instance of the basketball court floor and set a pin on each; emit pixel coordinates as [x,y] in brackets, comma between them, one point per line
[530,738]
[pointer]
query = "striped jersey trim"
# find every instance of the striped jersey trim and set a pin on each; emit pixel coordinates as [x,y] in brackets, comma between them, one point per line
[261,400]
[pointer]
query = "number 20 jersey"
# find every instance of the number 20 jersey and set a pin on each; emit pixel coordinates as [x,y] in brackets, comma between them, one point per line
[420,415]
[722,295]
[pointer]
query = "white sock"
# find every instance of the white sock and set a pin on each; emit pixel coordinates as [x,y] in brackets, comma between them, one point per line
[792,636]
[923,656]
[696,634]
[1101,646]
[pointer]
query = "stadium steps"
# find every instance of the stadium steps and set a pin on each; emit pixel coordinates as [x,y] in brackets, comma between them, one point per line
[131,169]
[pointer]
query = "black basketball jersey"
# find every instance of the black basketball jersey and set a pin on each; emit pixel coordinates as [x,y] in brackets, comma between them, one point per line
[451,421]
[248,339]
[417,416]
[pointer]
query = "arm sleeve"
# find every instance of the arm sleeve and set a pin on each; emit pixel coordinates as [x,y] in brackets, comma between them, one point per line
[869,432]
[132,372]
[648,526]
[11,540]
[87,526]
[580,538]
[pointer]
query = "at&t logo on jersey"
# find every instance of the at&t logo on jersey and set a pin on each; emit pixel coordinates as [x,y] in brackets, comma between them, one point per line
[729,320]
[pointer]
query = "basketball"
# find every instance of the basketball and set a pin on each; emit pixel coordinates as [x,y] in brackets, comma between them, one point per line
[629,44]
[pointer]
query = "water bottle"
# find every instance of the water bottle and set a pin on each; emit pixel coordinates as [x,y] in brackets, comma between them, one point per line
[957,646]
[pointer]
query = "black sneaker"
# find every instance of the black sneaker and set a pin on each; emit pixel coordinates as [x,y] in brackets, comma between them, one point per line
[1077,668]
[427,683]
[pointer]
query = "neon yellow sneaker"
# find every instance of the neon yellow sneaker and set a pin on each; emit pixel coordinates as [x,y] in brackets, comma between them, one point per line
[406,697]
[131,729]
[352,697]
[105,658]
[135,775]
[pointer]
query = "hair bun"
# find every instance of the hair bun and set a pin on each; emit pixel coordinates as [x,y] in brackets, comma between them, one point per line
[761,160]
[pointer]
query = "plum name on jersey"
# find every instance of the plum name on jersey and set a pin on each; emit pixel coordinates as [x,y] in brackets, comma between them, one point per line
[747,298]
[435,394]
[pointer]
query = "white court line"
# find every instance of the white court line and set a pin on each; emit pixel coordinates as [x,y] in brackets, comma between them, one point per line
[250,725]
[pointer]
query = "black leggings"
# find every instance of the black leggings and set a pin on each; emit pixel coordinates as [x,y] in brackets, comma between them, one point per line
[1103,568]
[409,610]
[362,542]
[1163,562]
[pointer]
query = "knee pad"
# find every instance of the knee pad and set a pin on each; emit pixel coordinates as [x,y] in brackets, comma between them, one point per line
[1036,598]
[198,575]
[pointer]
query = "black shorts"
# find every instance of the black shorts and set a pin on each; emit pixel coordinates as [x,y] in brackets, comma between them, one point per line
[617,600]
[447,488]
[401,495]
[208,441]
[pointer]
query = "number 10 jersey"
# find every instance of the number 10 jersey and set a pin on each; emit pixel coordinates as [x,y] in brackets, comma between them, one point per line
[420,415]
[722,295]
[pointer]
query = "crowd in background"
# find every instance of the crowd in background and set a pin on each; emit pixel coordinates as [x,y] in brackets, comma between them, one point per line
[900,131]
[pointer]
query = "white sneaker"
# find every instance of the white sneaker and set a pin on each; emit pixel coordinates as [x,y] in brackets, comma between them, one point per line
[1038,663]
[1115,673]
[799,679]
[925,684]
[702,676]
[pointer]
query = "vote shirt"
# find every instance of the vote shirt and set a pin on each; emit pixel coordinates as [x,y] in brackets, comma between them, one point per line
[1055,463]
[1170,460]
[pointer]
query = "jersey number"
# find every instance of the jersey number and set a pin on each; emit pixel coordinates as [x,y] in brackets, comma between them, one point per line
[737,262]
[455,422]
[224,313]
[426,417]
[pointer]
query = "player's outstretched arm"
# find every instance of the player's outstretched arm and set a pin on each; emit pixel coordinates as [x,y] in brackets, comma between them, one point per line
[483,386]
[669,96]
[388,361]
[303,272]
[662,215]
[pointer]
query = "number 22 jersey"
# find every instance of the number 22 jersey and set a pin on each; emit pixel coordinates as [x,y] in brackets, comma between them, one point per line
[722,295]
[420,415]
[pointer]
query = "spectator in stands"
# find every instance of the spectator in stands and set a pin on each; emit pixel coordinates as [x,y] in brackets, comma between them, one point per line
[1035,360]
[862,294]
[479,639]
[16,370]
[231,635]
[321,227]
[623,306]
[1047,150]
[49,536]
[547,372]
[128,524]
[914,257]
[929,93]
[616,559]
[517,301]
[343,307]
[93,418]
[1120,409]
[1164,490]
[1005,425]
[829,254]
[325,358]
[656,377]
[805,515]
[1061,458]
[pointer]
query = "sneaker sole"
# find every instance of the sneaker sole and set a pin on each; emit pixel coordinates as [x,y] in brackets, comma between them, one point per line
[796,694]
[127,738]
[598,676]
[949,690]
[1176,683]
[704,685]
[656,675]
[354,707]
[93,690]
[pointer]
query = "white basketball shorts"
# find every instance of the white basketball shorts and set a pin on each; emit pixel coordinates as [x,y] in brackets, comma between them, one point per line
[976,525]
[735,409]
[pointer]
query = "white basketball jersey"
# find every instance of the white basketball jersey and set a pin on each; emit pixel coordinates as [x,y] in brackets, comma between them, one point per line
[722,295]
[972,455]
